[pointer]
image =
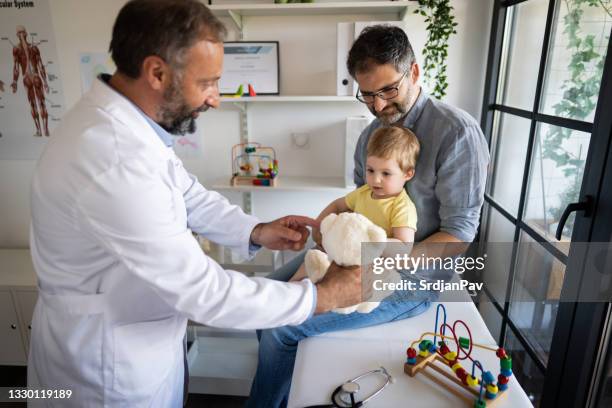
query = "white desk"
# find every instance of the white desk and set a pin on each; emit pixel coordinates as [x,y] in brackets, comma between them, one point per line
[326,361]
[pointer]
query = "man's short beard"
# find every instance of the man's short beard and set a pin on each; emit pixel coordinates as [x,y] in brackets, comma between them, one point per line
[176,117]
[394,118]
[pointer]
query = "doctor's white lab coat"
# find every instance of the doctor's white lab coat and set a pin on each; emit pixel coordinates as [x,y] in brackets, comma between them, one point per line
[119,271]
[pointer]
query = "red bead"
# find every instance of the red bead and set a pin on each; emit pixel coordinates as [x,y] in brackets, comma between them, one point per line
[462,374]
[444,349]
[452,363]
[411,353]
[502,379]
[500,353]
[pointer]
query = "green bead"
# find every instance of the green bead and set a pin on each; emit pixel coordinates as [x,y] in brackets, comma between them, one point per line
[464,342]
[425,344]
[479,404]
[506,363]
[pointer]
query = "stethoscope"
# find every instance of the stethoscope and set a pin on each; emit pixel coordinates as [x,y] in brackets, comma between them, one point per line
[344,394]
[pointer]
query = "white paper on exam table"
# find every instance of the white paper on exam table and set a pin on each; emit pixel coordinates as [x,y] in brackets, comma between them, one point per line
[327,361]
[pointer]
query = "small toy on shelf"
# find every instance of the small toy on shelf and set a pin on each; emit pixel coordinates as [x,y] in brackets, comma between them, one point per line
[239,92]
[432,352]
[252,90]
[246,157]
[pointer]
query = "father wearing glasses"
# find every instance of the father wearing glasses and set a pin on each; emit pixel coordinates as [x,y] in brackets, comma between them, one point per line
[447,189]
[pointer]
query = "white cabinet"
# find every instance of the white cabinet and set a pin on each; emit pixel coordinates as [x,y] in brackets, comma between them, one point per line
[12,351]
[18,293]
[26,300]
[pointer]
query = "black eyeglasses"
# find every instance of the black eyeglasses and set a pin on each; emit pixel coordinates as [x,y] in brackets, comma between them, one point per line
[385,93]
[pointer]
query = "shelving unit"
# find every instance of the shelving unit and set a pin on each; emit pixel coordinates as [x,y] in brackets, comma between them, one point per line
[290,183]
[237,11]
[288,98]
[224,361]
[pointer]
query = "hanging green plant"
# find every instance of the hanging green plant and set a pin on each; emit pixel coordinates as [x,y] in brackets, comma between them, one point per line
[441,25]
[580,91]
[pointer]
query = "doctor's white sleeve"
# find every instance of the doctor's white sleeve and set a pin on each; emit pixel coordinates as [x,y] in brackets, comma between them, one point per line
[140,219]
[212,216]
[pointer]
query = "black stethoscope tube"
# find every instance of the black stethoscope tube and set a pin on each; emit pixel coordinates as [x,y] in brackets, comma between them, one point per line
[354,404]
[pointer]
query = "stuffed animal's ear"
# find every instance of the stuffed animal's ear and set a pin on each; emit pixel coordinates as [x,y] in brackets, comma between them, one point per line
[376,234]
[328,222]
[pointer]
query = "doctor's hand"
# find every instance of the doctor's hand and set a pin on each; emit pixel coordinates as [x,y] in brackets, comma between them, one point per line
[288,232]
[340,287]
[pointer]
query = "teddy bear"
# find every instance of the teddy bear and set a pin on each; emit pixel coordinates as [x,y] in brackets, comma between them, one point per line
[342,235]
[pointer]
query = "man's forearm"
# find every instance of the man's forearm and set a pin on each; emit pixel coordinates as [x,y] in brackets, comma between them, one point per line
[434,246]
[440,237]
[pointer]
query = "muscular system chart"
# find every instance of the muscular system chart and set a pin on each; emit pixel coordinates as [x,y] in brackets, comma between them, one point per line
[31,93]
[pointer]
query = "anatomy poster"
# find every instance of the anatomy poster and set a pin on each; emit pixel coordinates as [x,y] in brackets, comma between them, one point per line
[31,93]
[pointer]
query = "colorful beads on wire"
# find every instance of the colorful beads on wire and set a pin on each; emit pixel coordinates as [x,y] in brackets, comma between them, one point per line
[492,391]
[444,350]
[505,363]
[472,381]
[480,404]
[462,374]
[450,356]
[489,389]
[425,345]
[411,356]
[487,377]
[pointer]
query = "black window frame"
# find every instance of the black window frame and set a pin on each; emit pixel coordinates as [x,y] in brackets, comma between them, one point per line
[571,375]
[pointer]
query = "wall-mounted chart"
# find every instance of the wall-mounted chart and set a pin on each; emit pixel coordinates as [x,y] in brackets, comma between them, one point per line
[31,92]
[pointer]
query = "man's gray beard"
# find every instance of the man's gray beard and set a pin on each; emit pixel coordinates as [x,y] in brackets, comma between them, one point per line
[391,119]
[175,115]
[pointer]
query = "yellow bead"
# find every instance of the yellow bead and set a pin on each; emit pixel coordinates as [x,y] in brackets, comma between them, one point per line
[450,356]
[492,388]
[472,380]
[456,366]
[423,353]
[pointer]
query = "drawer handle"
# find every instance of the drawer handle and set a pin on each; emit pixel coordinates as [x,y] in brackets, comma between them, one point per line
[29,327]
[13,326]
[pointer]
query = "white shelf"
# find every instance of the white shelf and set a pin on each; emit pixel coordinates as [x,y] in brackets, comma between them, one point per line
[292,98]
[289,183]
[293,9]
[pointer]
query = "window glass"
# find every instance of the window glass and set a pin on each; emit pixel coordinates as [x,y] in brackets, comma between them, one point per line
[534,302]
[521,53]
[576,59]
[509,162]
[555,178]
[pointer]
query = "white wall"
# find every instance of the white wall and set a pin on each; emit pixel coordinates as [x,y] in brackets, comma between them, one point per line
[307,49]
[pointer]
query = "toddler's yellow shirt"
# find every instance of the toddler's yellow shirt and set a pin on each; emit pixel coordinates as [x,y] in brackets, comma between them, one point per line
[387,213]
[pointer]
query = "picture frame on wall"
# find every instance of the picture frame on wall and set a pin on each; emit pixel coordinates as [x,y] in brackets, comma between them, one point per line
[254,63]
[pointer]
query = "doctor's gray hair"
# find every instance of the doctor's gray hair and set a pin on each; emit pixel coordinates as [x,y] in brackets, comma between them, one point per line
[165,28]
[378,45]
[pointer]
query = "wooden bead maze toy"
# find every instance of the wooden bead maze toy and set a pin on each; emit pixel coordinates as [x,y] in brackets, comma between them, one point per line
[436,361]
[246,158]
